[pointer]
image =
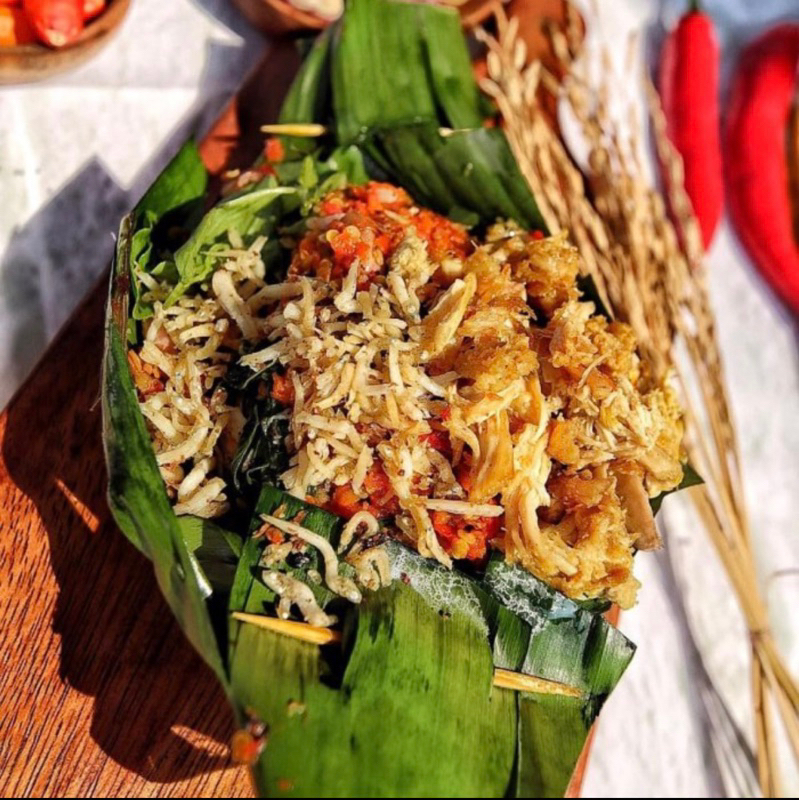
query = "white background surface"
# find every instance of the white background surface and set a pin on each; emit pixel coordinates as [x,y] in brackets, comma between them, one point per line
[76,152]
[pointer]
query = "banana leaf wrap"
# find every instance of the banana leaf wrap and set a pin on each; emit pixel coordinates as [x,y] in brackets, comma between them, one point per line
[405,705]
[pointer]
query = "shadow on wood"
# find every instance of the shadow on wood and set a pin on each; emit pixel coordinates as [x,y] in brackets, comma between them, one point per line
[118,640]
[83,614]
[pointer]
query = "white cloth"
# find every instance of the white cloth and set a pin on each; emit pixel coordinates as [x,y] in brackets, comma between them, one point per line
[77,151]
[655,737]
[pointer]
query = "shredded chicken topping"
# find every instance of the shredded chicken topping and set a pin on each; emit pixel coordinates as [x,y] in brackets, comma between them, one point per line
[461,392]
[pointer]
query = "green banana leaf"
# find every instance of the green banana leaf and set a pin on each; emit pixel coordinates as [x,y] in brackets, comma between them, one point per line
[412,715]
[421,651]
[397,64]
[387,77]
[592,653]
[405,706]
[136,493]
[308,98]
[469,175]
[552,732]
[397,645]
[216,551]
[690,478]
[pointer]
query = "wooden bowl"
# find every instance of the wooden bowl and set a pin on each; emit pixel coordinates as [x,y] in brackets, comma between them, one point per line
[280,17]
[34,62]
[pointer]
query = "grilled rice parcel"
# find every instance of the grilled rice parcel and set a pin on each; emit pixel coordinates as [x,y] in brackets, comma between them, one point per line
[454,393]
[388,453]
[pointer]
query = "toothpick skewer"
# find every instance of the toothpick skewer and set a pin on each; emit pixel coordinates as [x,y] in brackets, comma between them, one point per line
[503,678]
[313,130]
[519,682]
[288,627]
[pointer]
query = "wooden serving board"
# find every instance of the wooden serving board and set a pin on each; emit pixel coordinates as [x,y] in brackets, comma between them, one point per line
[100,693]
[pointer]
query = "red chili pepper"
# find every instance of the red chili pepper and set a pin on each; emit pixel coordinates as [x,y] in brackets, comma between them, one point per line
[14,27]
[756,159]
[56,22]
[687,81]
[92,8]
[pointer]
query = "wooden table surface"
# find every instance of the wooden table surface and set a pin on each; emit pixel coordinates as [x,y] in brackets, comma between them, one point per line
[101,695]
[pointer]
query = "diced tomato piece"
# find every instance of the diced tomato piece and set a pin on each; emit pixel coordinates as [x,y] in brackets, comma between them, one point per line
[364,229]
[515,423]
[463,471]
[345,502]
[274,151]
[377,482]
[383,243]
[445,239]
[440,441]
[275,536]
[465,537]
[282,389]
[382,498]
[536,235]
[345,245]
[332,204]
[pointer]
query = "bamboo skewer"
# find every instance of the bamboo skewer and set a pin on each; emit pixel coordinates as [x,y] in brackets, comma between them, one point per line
[313,130]
[296,630]
[503,678]
[519,682]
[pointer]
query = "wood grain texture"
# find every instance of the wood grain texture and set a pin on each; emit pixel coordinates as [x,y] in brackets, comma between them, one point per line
[100,693]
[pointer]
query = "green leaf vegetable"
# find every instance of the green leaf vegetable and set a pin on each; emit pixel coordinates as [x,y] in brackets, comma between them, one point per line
[170,203]
[248,213]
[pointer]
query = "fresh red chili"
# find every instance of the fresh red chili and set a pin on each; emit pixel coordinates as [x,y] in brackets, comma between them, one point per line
[14,27]
[687,83]
[92,8]
[756,159]
[56,22]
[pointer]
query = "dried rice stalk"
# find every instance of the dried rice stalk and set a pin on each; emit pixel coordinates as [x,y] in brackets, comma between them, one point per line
[650,270]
